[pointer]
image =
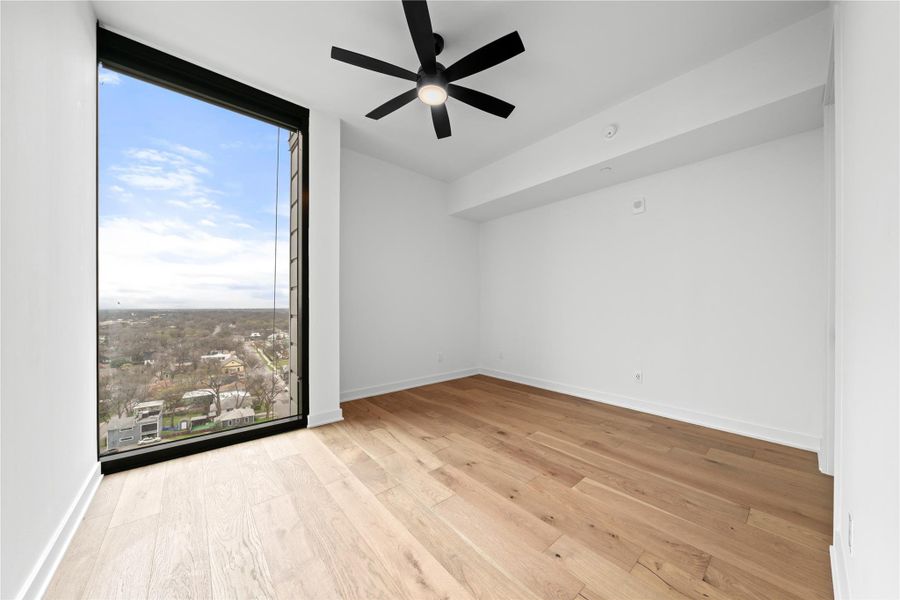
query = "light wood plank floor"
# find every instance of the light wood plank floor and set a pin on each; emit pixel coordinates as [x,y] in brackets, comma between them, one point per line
[475,488]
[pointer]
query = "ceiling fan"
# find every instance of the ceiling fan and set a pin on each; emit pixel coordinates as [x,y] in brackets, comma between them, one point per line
[434,82]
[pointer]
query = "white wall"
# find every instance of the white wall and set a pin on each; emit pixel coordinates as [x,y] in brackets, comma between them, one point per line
[867,432]
[716,292]
[324,268]
[48,362]
[409,280]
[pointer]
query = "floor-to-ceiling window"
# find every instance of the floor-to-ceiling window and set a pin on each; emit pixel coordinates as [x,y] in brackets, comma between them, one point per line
[200,255]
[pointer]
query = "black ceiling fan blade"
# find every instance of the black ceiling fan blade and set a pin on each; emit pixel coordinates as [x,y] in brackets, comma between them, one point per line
[419,23]
[480,100]
[372,64]
[441,120]
[393,104]
[486,57]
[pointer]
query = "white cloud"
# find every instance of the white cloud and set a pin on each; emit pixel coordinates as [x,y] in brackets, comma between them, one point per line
[156,178]
[154,155]
[207,223]
[172,264]
[179,203]
[164,226]
[186,151]
[236,220]
[151,169]
[204,203]
[108,78]
[120,193]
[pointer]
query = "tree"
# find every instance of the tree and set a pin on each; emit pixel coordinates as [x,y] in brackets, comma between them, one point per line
[104,394]
[171,402]
[181,355]
[265,388]
[243,393]
[216,380]
[130,388]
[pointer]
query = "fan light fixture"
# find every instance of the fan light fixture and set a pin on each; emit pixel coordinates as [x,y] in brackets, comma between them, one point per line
[434,82]
[432,95]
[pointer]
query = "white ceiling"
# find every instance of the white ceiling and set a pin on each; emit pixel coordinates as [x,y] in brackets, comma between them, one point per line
[580,57]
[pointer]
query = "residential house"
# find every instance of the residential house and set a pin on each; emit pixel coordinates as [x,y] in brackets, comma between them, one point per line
[120,432]
[203,396]
[229,400]
[232,365]
[142,427]
[236,416]
[148,418]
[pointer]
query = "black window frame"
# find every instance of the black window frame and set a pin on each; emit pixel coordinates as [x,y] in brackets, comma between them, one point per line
[124,55]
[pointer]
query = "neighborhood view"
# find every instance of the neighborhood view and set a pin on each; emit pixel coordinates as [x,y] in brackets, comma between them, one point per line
[193,267]
[167,375]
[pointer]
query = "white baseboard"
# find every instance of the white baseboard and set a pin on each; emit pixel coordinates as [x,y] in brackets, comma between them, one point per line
[839,569]
[404,384]
[332,416]
[762,432]
[56,547]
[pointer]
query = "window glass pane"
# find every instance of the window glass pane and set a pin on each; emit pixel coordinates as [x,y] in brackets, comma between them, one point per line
[194,267]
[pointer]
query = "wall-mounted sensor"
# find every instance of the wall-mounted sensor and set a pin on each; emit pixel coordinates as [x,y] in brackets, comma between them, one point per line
[638,205]
[610,131]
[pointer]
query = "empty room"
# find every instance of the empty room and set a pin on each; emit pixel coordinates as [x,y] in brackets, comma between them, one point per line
[481,300]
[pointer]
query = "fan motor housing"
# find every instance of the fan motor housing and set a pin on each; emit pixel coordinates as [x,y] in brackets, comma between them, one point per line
[437,78]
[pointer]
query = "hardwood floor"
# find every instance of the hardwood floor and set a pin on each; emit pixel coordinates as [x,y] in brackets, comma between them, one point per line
[474,488]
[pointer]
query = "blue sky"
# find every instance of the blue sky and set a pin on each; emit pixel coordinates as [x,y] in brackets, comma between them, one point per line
[187,202]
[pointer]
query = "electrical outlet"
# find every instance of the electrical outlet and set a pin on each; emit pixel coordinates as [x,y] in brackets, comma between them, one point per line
[850,533]
[639,376]
[440,357]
